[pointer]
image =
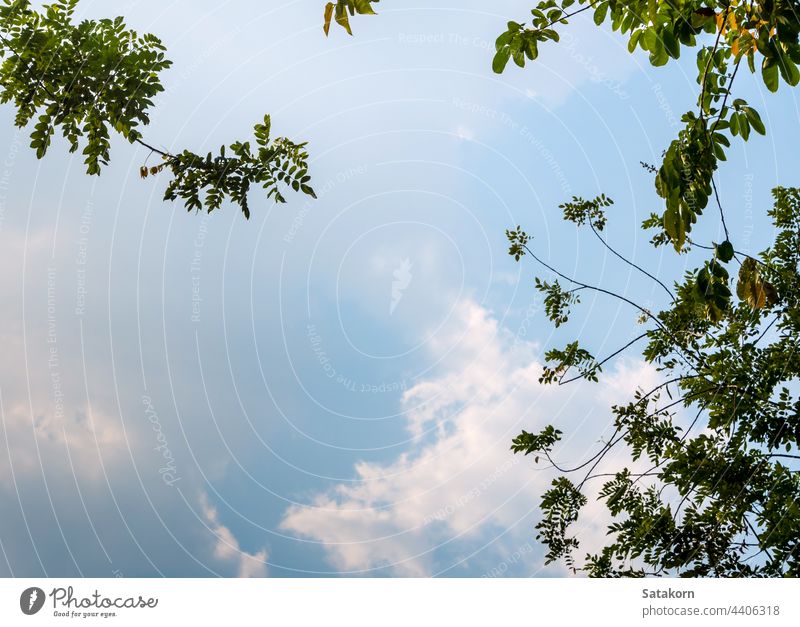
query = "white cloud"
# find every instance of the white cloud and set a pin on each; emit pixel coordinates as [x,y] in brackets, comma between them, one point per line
[461,487]
[83,443]
[465,133]
[79,451]
[226,546]
[48,426]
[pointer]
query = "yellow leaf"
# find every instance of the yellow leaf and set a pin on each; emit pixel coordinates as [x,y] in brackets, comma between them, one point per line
[364,7]
[752,288]
[341,17]
[328,16]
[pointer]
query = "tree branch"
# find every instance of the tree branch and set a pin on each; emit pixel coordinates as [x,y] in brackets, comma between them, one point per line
[630,263]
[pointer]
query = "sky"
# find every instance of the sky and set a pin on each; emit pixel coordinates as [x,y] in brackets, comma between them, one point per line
[331,388]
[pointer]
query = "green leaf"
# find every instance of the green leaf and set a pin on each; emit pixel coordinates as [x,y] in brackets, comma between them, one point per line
[501,59]
[503,40]
[744,125]
[735,124]
[660,57]
[652,10]
[649,39]
[725,251]
[671,44]
[600,13]
[634,40]
[673,225]
[788,70]
[755,120]
[769,73]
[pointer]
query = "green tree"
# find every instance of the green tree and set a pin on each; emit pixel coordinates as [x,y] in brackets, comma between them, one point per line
[717,496]
[90,78]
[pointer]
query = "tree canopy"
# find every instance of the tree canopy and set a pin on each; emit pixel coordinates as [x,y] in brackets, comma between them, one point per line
[716,495]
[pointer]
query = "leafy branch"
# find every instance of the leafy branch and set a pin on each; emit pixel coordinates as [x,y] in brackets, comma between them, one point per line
[97,76]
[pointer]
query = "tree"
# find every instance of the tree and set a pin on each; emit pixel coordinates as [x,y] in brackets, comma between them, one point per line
[717,496]
[89,78]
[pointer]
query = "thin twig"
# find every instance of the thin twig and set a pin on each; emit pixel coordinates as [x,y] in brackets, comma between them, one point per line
[596,367]
[630,263]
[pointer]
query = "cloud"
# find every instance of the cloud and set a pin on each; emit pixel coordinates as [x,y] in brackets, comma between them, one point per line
[47,426]
[466,133]
[226,546]
[459,487]
[83,487]
[80,442]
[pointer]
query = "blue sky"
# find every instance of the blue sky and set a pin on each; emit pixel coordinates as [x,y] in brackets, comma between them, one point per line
[331,388]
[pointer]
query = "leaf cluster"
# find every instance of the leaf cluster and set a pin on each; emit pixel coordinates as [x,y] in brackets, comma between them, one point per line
[86,79]
[342,10]
[206,182]
[89,79]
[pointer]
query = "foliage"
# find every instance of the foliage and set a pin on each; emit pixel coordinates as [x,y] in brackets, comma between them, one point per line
[272,163]
[573,356]
[341,10]
[763,33]
[557,302]
[97,76]
[581,211]
[719,495]
[713,479]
